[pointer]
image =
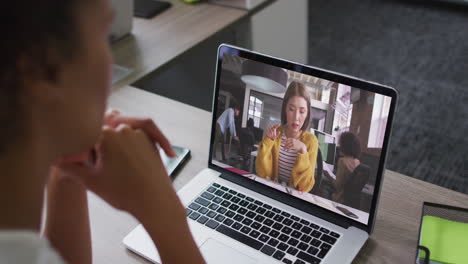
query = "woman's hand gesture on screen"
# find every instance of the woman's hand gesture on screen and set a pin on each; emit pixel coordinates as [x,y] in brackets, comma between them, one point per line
[272,132]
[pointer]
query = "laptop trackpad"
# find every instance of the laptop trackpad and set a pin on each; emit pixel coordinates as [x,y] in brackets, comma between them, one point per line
[216,252]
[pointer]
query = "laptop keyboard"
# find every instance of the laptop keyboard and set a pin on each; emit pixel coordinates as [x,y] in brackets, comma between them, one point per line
[274,232]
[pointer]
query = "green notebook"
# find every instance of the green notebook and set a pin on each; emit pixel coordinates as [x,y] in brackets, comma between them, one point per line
[446,240]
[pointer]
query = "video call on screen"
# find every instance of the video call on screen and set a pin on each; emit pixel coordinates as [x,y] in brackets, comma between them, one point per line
[332,164]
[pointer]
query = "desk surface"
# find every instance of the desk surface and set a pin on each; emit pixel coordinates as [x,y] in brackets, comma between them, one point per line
[396,230]
[156,42]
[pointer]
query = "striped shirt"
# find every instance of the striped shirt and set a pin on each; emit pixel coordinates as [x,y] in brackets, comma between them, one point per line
[287,159]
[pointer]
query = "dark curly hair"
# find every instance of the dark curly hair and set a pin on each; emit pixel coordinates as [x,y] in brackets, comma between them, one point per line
[350,145]
[37,37]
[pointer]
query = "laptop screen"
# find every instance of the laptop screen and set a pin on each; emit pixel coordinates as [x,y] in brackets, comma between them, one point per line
[311,137]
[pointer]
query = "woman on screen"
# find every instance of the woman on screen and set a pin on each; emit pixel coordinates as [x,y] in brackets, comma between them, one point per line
[288,152]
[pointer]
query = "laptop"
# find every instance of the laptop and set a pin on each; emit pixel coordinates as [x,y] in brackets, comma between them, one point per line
[239,214]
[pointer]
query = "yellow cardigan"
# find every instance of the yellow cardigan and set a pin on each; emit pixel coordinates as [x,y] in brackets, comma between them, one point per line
[303,172]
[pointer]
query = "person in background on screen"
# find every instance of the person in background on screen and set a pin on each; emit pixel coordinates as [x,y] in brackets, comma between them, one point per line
[54,83]
[350,148]
[288,152]
[226,121]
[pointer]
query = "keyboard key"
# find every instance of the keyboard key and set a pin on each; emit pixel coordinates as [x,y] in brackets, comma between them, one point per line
[254,234]
[328,239]
[277,226]
[276,210]
[268,222]
[235,199]
[293,242]
[269,214]
[273,242]
[285,214]
[263,238]
[240,237]
[295,218]
[219,218]
[260,210]
[324,230]
[308,258]
[194,215]
[283,237]
[286,230]
[187,211]
[299,261]
[242,211]
[244,203]
[296,234]
[303,246]
[194,206]
[282,246]
[315,243]
[221,210]
[217,200]
[252,207]
[274,233]
[207,196]
[247,221]
[287,222]
[292,251]
[267,250]
[216,185]
[213,206]
[279,255]
[312,250]
[267,206]
[240,195]
[225,203]
[278,218]
[236,226]
[228,222]
[203,210]
[211,214]
[256,226]
[296,226]
[249,199]
[212,224]
[224,188]
[202,219]
[324,248]
[238,217]
[257,202]
[219,193]
[250,214]
[287,261]
[232,192]
[259,218]
[211,189]
[314,226]
[306,230]
[306,238]
[230,213]
[316,234]
[305,222]
[335,235]
[265,229]
[245,229]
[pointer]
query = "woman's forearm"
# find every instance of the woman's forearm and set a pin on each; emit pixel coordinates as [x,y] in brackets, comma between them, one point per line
[67,223]
[172,237]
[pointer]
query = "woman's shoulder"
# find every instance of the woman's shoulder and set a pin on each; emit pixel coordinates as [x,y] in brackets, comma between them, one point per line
[309,137]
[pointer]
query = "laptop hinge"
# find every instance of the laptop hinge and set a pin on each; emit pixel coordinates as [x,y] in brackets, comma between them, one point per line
[287,199]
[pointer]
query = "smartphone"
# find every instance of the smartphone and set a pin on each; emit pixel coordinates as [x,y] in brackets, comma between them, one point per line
[172,164]
[149,8]
[347,212]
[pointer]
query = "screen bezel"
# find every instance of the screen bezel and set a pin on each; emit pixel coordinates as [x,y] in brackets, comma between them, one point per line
[320,73]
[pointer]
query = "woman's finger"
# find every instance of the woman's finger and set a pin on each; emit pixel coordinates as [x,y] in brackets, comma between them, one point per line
[149,127]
